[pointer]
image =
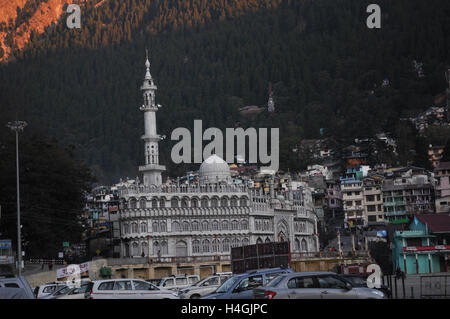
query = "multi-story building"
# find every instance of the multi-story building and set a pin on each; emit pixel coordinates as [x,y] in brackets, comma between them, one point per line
[208,217]
[435,153]
[442,187]
[353,198]
[373,200]
[406,192]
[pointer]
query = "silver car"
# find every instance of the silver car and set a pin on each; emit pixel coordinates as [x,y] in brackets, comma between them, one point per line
[314,285]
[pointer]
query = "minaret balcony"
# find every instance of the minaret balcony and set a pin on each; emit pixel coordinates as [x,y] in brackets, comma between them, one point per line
[152,138]
[149,108]
[152,167]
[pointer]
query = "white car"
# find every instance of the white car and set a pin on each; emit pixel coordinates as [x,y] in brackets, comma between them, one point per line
[205,286]
[47,289]
[127,289]
[178,282]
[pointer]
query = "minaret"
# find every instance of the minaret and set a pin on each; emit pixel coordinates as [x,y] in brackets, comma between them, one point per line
[151,170]
[270,103]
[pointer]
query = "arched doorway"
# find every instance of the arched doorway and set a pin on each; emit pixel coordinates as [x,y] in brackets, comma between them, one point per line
[181,249]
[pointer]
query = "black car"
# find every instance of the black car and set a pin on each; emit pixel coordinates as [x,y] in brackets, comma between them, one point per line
[361,281]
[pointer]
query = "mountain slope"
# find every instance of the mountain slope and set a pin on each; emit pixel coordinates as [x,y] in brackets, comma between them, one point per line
[210,58]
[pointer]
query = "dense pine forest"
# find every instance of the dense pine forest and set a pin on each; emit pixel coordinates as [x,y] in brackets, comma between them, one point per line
[211,57]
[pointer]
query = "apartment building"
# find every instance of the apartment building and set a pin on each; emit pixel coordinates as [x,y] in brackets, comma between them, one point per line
[442,187]
[373,200]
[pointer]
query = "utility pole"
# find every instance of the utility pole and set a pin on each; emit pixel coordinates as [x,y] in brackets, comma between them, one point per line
[18,126]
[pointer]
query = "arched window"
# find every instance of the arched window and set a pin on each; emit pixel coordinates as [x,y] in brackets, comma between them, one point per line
[225,225]
[135,249]
[259,240]
[215,246]
[195,226]
[244,225]
[155,227]
[224,202]
[127,250]
[235,242]
[174,202]
[163,227]
[214,202]
[267,240]
[234,202]
[144,248]
[205,225]
[184,202]
[304,245]
[164,248]
[162,202]
[297,244]
[143,227]
[245,242]
[194,202]
[195,246]
[204,202]
[143,203]
[134,227]
[234,225]
[215,225]
[156,248]
[154,203]
[126,228]
[243,202]
[132,203]
[185,226]
[205,246]
[226,245]
[176,227]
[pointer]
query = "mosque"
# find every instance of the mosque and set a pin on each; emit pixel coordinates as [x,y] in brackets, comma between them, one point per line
[207,218]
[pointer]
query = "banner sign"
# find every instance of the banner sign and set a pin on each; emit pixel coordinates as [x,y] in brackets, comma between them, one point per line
[72,270]
[5,244]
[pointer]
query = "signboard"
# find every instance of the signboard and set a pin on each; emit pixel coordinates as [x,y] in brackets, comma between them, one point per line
[381,233]
[60,255]
[4,260]
[5,244]
[66,244]
[72,270]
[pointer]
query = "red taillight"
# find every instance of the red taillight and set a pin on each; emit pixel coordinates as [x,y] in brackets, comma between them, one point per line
[269,294]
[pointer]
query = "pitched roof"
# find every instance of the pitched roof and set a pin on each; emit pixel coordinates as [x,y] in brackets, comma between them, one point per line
[437,223]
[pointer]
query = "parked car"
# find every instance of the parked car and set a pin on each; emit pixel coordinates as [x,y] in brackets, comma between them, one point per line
[47,289]
[314,285]
[205,287]
[241,286]
[77,292]
[178,282]
[361,281]
[18,282]
[127,289]
[60,291]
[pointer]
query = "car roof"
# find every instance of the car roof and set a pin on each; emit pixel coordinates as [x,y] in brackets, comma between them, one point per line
[311,273]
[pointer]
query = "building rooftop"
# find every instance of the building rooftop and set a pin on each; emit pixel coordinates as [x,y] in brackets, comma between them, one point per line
[436,223]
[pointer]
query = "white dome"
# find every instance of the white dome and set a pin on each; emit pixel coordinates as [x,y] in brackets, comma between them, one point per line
[214,169]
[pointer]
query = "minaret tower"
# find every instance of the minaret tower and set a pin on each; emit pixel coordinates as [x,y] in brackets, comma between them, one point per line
[151,170]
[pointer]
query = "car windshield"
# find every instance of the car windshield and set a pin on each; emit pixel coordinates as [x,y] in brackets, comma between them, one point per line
[275,281]
[227,285]
[62,291]
[356,281]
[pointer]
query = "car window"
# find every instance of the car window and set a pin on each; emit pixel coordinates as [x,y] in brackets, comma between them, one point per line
[270,277]
[227,285]
[62,291]
[109,285]
[11,285]
[181,281]
[331,282]
[212,282]
[301,282]
[49,289]
[122,285]
[168,283]
[141,285]
[358,281]
[223,279]
[250,283]
[274,282]
[192,280]
[80,290]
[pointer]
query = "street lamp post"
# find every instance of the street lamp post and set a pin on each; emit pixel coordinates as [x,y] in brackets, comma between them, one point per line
[18,126]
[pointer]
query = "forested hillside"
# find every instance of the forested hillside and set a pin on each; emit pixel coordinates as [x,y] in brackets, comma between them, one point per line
[211,57]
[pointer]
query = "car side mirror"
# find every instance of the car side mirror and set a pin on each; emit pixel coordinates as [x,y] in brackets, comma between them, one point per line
[348,286]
